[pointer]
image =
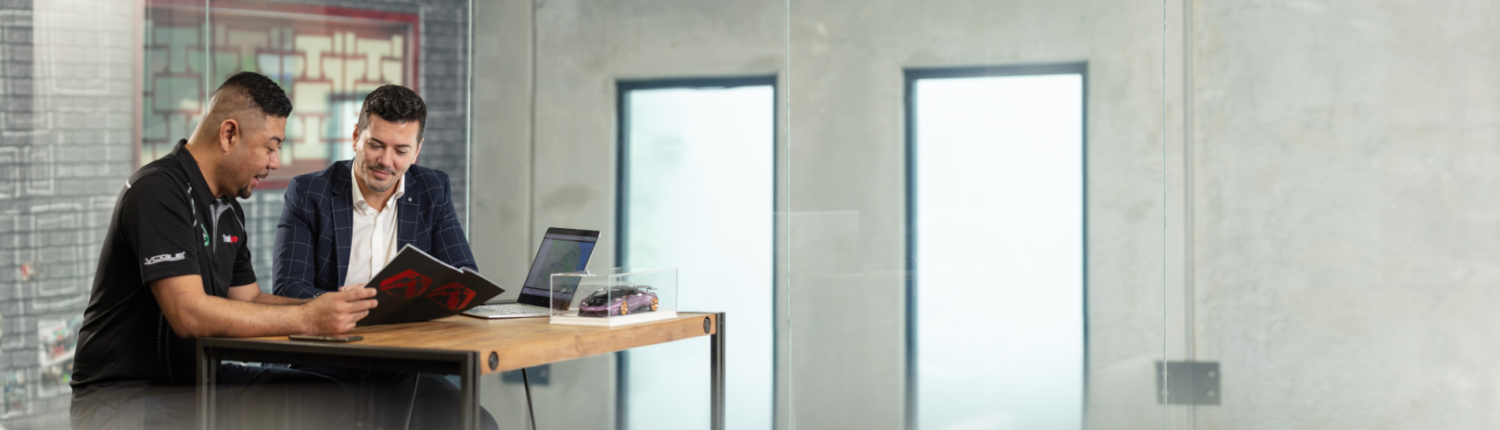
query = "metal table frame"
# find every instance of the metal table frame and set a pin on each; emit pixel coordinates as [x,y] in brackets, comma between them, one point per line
[212,351]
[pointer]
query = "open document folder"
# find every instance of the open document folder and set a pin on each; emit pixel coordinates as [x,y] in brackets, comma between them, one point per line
[416,287]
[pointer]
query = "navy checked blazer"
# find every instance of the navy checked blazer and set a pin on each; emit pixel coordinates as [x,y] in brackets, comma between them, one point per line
[312,240]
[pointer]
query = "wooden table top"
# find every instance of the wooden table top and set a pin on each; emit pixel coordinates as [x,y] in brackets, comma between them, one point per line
[523,342]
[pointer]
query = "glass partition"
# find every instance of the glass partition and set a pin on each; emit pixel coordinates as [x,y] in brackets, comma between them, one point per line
[697,183]
[974,219]
[655,123]
[95,89]
[70,119]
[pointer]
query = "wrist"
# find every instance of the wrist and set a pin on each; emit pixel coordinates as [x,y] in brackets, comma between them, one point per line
[305,320]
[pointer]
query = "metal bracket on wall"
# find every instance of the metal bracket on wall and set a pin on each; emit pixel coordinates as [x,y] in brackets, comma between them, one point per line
[1188,383]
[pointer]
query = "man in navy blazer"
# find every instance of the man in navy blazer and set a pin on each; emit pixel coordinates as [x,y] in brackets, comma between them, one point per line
[342,225]
[318,223]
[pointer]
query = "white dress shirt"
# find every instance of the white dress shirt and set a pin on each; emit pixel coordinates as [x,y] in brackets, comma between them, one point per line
[373,243]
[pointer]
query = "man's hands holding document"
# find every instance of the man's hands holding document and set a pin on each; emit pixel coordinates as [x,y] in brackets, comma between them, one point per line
[338,312]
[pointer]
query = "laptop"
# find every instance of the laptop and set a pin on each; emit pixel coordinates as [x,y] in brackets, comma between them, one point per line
[563,250]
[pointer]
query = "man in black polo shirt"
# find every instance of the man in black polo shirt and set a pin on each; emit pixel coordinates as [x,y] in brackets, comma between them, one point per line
[176,265]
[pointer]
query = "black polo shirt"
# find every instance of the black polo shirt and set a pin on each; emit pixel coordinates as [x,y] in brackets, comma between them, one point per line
[166,223]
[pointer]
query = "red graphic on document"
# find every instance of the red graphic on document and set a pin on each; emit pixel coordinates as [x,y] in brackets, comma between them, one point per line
[406,284]
[454,296]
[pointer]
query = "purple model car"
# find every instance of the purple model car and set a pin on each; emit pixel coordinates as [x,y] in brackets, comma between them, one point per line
[618,301]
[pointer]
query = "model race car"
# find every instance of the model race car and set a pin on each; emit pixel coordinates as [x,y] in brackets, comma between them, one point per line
[619,300]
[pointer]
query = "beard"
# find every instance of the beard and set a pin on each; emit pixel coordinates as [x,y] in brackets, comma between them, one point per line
[245,192]
[371,183]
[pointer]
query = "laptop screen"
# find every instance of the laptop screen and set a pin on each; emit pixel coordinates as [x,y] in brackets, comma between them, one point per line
[563,250]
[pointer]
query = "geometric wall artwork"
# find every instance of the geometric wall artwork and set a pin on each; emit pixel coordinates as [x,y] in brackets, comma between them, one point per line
[326,58]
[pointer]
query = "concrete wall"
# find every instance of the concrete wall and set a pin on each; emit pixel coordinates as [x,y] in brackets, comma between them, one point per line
[1346,228]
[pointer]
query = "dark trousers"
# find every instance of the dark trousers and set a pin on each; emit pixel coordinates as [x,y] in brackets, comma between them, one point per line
[249,397]
[396,400]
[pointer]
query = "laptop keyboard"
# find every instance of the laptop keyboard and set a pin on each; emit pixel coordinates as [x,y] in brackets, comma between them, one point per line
[509,309]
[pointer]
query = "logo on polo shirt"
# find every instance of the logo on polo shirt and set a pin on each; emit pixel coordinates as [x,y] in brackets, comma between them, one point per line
[231,239]
[165,257]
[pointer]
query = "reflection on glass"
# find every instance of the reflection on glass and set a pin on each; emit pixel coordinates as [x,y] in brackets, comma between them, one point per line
[696,194]
[998,247]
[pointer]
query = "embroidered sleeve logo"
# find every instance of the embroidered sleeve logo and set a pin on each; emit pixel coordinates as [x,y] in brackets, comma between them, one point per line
[165,257]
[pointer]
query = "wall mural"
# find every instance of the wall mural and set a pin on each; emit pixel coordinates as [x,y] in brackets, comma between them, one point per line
[326,58]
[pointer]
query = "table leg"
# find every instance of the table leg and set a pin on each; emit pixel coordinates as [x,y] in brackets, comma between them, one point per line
[716,374]
[208,366]
[469,391]
[530,411]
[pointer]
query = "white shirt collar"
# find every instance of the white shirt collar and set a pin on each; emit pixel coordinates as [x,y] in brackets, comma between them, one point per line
[359,197]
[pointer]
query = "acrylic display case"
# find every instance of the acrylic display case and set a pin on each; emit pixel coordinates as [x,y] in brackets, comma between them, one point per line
[613,297]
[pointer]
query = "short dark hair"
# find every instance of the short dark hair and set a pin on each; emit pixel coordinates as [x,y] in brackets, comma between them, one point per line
[260,92]
[394,103]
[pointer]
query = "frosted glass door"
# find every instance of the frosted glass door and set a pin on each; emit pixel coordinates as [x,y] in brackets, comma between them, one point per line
[997,197]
